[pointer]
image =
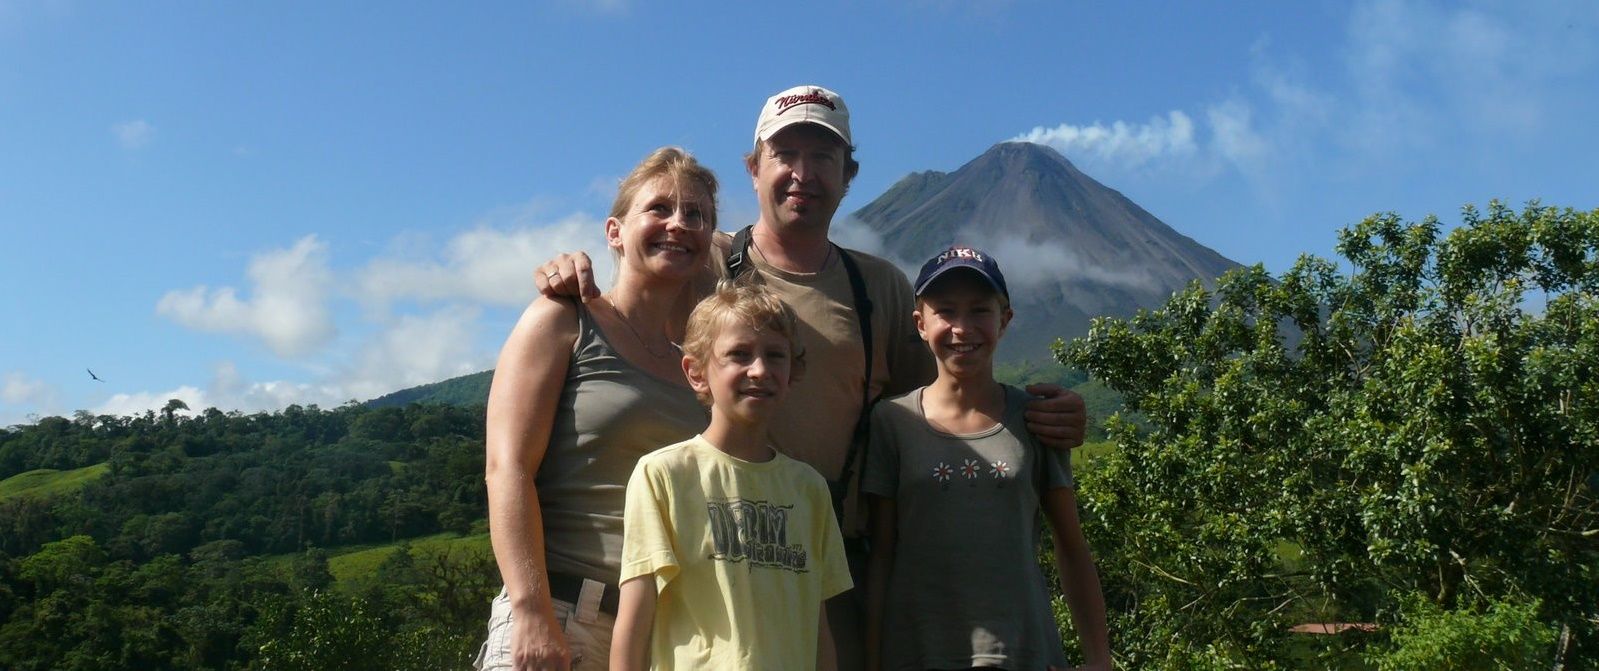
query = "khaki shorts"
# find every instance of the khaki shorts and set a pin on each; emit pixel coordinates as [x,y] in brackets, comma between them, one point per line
[588,634]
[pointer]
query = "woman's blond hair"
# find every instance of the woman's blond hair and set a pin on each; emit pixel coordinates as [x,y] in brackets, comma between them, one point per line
[677,166]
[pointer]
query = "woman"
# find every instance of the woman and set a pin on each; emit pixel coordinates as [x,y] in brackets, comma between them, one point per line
[581,391]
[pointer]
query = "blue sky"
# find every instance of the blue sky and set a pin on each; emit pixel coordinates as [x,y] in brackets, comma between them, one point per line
[245,205]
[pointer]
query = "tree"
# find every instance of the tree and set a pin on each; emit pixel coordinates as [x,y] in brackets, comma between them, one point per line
[173,405]
[1505,636]
[310,570]
[69,563]
[60,626]
[321,630]
[1337,445]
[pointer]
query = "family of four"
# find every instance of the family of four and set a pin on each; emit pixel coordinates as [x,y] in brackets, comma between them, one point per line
[693,470]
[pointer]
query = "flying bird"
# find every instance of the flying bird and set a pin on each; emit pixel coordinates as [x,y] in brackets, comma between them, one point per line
[94,377]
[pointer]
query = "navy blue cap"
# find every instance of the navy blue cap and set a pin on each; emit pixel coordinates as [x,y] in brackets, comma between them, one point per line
[961,256]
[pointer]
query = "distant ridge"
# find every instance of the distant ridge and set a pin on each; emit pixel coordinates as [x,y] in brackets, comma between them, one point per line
[1072,248]
[464,390]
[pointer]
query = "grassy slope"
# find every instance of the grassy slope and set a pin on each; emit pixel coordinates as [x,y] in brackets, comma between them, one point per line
[354,563]
[50,482]
[1089,451]
[349,564]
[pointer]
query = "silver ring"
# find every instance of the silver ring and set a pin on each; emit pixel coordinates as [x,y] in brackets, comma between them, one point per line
[553,273]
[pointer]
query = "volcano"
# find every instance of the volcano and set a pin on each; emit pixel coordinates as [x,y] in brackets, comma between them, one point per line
[1071,248]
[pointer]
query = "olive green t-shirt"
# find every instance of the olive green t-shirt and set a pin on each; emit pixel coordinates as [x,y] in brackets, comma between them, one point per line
[610,413]
[965,590]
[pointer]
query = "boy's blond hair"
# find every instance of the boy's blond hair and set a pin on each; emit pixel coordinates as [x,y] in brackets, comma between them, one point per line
[744,301]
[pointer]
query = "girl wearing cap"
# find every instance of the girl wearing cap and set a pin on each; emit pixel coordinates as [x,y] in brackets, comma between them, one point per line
[956,484]
[580,392]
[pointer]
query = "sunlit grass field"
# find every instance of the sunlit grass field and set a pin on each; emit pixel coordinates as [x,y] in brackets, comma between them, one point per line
[50,482]
[351,564]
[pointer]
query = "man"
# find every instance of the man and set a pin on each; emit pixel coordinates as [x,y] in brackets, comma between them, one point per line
[801,167]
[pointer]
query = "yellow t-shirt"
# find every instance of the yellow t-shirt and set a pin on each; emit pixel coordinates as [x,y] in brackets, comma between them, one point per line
[743,554]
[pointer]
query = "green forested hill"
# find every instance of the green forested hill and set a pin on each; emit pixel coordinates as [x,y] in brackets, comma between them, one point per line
[160,542]
[467,390]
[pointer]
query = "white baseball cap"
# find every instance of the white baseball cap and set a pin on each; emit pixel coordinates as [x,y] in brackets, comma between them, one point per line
[804,104]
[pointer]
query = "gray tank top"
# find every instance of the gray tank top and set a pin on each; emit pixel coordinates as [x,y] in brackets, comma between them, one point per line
[610,414]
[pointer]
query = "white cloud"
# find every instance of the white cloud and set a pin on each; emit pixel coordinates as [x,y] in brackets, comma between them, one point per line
[229,390]
[416,350]
[489,264]
[1414,74]
[1295,112]
[1121,144]
[411,350]
[1233,136]
[287,309]
[1423,72]
[1225,135]
[850,233]
[138,403]
[133,134]
[19,389]
[1385,113]
[23,399]
[1029,264]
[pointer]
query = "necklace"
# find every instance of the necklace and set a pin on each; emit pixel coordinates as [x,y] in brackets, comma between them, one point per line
[671,347]
[768,261]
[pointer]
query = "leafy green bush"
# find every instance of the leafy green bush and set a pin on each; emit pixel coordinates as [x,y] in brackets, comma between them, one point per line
[1505,636]
[1430,426]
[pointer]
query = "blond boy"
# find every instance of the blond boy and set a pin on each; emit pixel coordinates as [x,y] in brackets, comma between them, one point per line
[730,548]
